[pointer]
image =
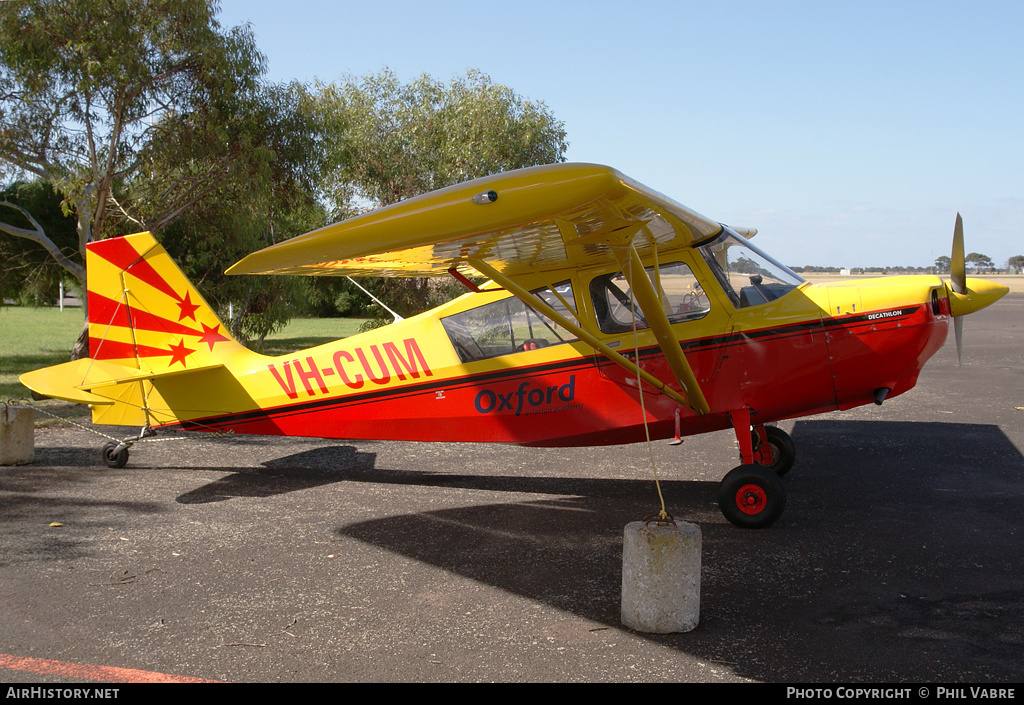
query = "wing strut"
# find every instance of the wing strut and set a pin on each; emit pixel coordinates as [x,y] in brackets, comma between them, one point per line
[541,307]
[650,303]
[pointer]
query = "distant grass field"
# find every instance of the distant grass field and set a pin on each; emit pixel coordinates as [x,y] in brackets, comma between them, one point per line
[31,338]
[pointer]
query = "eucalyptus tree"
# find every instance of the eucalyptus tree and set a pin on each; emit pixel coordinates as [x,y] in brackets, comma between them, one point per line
[86,87]
[28,273]
[388,141]
[270,193]
[978,261]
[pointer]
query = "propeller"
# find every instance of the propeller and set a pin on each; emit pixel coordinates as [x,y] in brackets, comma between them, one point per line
[966,295]
[958,278]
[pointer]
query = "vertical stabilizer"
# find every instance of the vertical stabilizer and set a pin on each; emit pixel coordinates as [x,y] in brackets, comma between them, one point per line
[144,313]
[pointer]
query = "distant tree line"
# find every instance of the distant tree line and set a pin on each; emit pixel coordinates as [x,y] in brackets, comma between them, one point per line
[974,262]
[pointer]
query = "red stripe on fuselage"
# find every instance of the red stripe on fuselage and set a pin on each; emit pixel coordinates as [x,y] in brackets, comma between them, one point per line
[601,410]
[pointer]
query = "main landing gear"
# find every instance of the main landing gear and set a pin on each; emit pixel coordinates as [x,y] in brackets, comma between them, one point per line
[752,496]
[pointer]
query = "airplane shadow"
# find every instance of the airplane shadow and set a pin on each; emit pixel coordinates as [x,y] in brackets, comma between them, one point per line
[312,468]
[34,490]
[334,464]
[896,558]
[300,471]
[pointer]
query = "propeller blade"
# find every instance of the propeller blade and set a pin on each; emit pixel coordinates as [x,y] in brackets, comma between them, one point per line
[958,329]
[958,278]
[957,267]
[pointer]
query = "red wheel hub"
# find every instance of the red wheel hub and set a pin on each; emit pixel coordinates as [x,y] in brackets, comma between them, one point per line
[751,499]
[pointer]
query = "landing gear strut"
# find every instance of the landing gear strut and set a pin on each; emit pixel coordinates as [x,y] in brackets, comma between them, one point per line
[752,496]
[115,454]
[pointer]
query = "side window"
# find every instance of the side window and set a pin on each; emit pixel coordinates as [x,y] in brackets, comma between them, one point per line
[682,298]
[509,326]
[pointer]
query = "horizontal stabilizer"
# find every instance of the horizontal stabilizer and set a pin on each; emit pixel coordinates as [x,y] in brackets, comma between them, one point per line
[76,381]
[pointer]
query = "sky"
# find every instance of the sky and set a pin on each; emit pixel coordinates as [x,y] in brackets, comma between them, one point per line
[848,133]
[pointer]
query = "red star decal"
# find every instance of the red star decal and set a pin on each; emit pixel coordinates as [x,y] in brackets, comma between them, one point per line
[188,309]
[211,336]
[179,352]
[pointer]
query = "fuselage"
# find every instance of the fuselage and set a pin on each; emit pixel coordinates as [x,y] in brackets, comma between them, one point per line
[460,372]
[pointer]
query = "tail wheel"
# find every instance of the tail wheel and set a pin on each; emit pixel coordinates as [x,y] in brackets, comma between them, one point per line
[114,458]
[781,450]
[752,496]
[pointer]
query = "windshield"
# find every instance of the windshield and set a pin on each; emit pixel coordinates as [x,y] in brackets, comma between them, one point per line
[749,276]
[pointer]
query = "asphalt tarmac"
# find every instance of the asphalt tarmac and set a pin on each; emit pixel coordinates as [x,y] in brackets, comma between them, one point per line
[249,559]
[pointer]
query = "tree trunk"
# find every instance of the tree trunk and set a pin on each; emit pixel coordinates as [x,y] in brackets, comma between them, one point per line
[81,348]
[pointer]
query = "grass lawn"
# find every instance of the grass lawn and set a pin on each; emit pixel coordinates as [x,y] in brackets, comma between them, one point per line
[302,333]
[31,338]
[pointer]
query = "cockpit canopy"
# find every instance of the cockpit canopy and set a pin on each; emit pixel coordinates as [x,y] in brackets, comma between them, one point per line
[748,276]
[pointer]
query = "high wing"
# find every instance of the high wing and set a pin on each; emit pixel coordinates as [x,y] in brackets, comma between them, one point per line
[511,226]
[550,217]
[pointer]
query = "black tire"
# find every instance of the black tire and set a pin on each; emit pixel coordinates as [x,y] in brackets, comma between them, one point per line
[782,447]
[752,496]
[112,459]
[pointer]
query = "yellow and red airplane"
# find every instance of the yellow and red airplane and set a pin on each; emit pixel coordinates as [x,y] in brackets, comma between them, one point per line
[610,312]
